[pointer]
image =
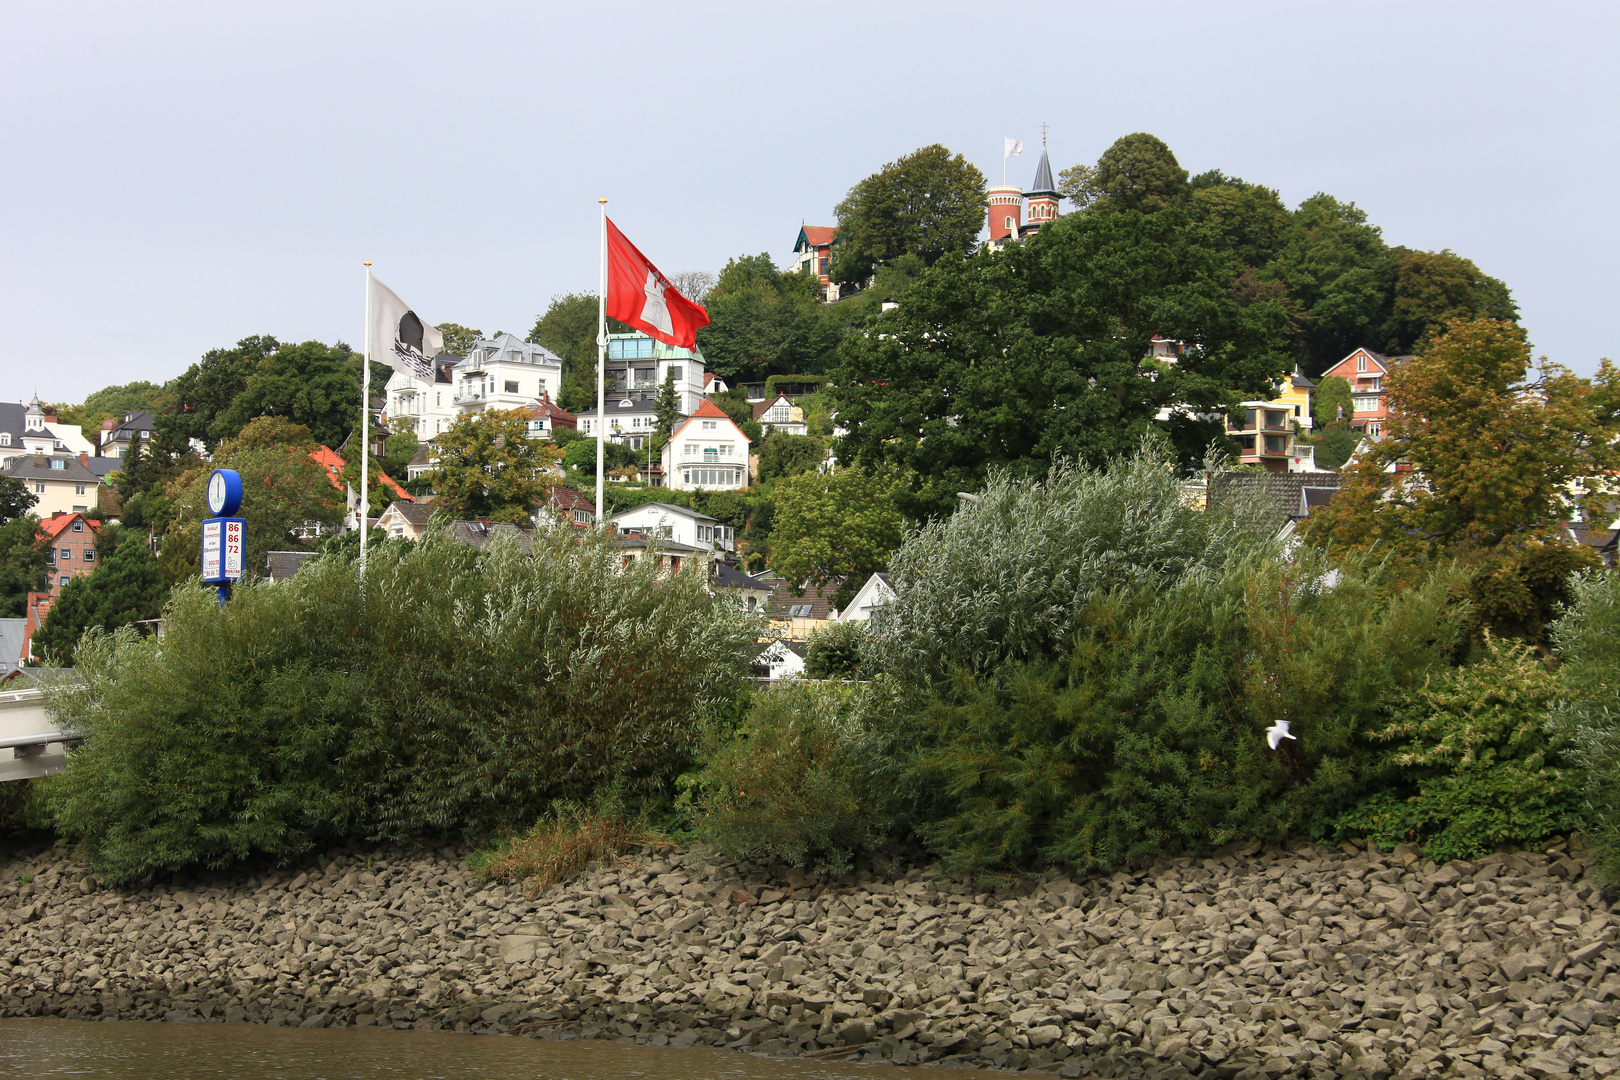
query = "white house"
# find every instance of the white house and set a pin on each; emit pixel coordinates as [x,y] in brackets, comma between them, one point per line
[635,369]
[780,414]
[632,419]
[780,660]
[677,524]
[504,373]
[876,592]
[31,430]
[707,450]
[427,404]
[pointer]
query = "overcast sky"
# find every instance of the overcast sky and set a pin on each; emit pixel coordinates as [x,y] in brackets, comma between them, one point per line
[174,177]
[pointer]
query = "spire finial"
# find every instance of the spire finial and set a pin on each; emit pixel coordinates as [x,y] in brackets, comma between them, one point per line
[1043,133]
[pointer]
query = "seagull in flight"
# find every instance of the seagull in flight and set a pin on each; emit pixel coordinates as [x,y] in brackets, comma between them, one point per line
[1276,733]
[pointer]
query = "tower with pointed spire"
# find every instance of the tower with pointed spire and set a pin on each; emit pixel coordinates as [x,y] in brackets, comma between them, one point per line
[1043,197]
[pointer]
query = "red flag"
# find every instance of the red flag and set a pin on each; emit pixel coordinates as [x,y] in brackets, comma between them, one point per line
[640,295]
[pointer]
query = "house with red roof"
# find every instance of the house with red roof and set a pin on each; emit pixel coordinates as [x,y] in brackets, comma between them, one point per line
[1366,371]
[707,450]
[333,463]
[814,249]
[71,550]
[547,416]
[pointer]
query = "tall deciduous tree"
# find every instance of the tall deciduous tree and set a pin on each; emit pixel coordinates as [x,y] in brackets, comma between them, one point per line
[128,586]
[842,525]
[488,467]
[15,498]
[1139,172]
[568,328]
[1490,462]
[203,394]
[315,385]
[1433,288]
[929,203]
[764,322]
[1336,264]
[1247,221]
[459,339]
[284,495]
[1036,353]
[24,566]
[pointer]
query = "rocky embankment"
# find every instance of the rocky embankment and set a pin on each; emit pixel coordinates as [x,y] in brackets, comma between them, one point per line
[1310,962]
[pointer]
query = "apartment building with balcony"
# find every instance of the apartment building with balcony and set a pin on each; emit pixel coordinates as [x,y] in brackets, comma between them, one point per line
[428,405]
[1264,433]
[707,450]
[635,369]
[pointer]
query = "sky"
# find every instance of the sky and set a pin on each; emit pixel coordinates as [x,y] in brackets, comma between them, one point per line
[177,176]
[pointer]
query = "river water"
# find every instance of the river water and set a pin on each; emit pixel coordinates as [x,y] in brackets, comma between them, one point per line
[152,1051]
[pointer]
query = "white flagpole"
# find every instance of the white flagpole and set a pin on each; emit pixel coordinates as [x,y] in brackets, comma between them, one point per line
[365,429]
[601,370]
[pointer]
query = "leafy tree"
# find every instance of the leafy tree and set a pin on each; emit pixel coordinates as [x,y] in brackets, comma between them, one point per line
[398,451]
[1078,184]
[1336,265]
[1489,460]
[1036,353]
[1139,172]
[1332,401]
[24,566]
[1432,289]
[568,328]
[693,284]
[580,456]
[735,404]
[763,321]
[459,339]
[929,203]
[488,467]
[203,394]
[15,499]
[782,454]
[667,408]
[311,384]
[1335,444]
[284,495]
[1246,221]
[114,402]
[127,586]
[841,526]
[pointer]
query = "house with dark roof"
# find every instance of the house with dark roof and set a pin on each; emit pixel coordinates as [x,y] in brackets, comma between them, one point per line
[118,437]
[407,520]
[677,524]
[781,414]
[29,429]
[62,483]
[480,534]
[281,565]
[794,616]
[750,593]
[1289,496]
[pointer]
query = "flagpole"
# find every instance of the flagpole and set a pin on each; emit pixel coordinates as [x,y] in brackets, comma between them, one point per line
[601,369]
[365,431]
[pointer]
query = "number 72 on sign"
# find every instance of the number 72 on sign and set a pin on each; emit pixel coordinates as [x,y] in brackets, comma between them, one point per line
[224,543]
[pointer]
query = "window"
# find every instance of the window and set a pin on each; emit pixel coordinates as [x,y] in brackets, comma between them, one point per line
[1274,418]
[438,400]
[5,438]
[50,557]
[511,386]
[711,425]
[39,487]
[78,489]
[65,580]
[1296,410]
[691,449]
[67,555]
[89,554]
[78,526]
[1377,383]
[1361,363]
[582,517]
[58,463]
[1006,224]
[799,611]
[1374,428]
[677,372]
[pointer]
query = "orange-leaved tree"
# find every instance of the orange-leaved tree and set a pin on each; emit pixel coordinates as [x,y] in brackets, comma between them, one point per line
[1482,461]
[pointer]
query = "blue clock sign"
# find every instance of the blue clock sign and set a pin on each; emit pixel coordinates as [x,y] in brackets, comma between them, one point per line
[224,538]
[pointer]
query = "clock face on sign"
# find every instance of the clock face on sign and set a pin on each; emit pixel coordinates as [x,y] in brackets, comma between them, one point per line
[216,493]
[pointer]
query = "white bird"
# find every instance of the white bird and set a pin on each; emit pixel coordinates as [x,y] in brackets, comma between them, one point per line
[1276,733]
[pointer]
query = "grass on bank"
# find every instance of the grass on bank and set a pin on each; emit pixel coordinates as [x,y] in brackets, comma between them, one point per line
[563,843]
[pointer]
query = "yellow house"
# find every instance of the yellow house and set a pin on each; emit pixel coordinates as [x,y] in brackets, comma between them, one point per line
[1298,394]
[1265,430]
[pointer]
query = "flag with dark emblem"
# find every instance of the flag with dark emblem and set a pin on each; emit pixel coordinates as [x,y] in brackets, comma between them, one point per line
[399,337]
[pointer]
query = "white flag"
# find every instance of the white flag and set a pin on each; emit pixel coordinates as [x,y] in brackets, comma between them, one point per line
[399,338]
[1011,147]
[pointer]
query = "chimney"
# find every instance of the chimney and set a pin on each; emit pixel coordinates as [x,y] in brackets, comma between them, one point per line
[84,459]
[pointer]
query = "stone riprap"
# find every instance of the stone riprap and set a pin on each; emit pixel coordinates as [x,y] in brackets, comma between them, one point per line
[1310,962]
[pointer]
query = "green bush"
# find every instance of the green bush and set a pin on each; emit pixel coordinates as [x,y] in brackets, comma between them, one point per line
[1004,578]
[1468,763]
[1587,637]
[1145,732]
[464,693]
[802,777]
[833,651]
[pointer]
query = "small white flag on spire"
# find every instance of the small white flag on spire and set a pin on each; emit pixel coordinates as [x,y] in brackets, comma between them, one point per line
[1011,147]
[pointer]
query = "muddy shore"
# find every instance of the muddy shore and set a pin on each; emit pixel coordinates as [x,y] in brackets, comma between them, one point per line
[1305,962]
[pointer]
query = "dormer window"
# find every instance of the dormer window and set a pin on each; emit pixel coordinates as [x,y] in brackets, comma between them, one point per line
[58,464]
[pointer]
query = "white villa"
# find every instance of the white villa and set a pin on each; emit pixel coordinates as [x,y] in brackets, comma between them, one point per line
[678,525]
[707,450]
